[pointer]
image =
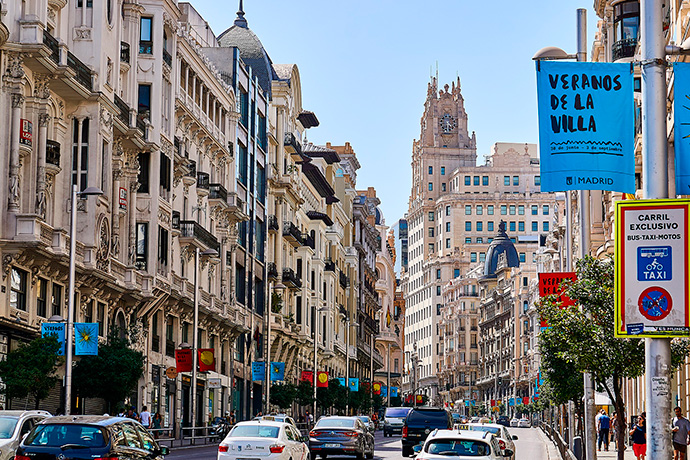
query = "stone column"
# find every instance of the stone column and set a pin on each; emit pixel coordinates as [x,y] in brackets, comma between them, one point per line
[132,208]
[41,165]
[13,198]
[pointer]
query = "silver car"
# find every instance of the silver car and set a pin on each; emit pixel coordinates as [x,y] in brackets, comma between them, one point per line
[14,424]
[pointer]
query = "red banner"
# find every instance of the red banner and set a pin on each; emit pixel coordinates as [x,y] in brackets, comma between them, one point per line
[25,133]
[550,284]
[206,359]
[525,400]
[377,388]
[493,402]
[184,360]
[420,399]
[307,376]
[322,379]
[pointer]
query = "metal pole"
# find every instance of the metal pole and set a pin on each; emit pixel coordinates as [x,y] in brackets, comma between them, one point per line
[70,301]
[347,363]
[655,185]
[268,351]
[195,339]
[316,374]
[388,393]
[371,366]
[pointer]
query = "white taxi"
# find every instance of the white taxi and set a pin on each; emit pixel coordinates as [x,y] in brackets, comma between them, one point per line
[263,440]
[461,445]
[505,439]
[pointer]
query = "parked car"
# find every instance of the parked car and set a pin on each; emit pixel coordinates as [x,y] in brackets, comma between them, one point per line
[505,439]
[393,420]
[514,422]
[421,421]
[461,445]
[333,435]
[267,439]
[503,420]
[524,423]
[14,424]
[369,423]
[87,437]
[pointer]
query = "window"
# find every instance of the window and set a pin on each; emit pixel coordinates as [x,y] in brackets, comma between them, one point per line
[545,209]
[438,273]
[431,247]
[506,180]
[468,210]
[244,108]
[143,178]
[468,180]
[456,272]
[522,258]
[535,209]
[146,36]
[163,250]
[42,298]
[512,226]
[447,226]
[468,240]
[512,210]
[545,226]
[431,170]
[438,290]
[447,243]
[476,180]
[537,180]
[443,170]
[490,210]
[80,153]
[482,256]
[480,210]
[431,232]
[431,216]
[521,226]
[142,246]
[443,186]
[56,300]
[165,176]
[100,318]
[626,23]
[18,289]
[480,240]
[447,210]
[468,226]
[535,226]
[480,226]
[516,180]
[490,226]
[504,209]
[485,180]
[144,102]
[521,210]
[473,257]
[431,187]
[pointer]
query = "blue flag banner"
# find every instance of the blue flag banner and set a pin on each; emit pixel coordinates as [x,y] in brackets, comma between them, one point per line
[681,122]
[258,371]
[277,371]
[341,381]
[354,384]
[586,126]
[86,339]
[394,392]
[384,391]
[57,329]
[511,402]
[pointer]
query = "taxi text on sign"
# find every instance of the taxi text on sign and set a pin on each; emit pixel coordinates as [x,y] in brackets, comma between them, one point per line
[652,285]
[586,126]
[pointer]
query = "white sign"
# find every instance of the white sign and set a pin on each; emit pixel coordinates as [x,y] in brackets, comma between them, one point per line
[213,383]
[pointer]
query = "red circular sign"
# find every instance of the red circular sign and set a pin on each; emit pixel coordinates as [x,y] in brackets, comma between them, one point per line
[655,303]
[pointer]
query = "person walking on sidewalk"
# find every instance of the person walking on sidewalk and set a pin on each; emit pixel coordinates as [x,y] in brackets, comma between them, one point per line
[680,426]
[603,427]
[639,439]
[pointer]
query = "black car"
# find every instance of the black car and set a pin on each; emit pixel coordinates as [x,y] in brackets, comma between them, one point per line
[503,420]
[421,421]
[85,437]
[334,435]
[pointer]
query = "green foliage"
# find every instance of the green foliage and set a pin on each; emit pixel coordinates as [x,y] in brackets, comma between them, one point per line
[283,395]
[276,302]
[396,401]
[30,369]
[305,393]
[111,375]
[340,395]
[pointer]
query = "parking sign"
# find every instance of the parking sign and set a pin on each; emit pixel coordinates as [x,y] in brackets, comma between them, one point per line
[652,286]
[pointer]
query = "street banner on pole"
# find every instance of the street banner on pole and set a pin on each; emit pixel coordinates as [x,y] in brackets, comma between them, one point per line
[354,384]
[384,391]
[681,125]
[184,360]
[586,126]
[322,379]
[550,284]
[652,280]
[277,371]
[258,371]
[341,381]
[307,376]
[394,392]
[207,360]
[377,388]
[86,339]
[57,329]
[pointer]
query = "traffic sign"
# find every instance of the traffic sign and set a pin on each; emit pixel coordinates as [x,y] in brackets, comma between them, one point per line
[652,280]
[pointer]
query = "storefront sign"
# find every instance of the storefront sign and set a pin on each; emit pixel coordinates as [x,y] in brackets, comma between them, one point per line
[26,133]
[122,198]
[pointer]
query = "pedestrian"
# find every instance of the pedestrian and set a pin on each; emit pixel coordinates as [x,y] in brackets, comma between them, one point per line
[614,431]
[233,417]
[145,417]
[603,427]
[639,439]
[132,413]
[157,423]
[680,426]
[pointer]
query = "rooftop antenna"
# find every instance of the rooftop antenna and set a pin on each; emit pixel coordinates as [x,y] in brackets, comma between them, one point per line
[436,70]
[241,21]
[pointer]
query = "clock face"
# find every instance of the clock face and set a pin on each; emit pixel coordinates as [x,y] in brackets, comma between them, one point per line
[448,123]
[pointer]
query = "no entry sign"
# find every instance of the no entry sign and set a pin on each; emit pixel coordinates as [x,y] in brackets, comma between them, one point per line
[652,273]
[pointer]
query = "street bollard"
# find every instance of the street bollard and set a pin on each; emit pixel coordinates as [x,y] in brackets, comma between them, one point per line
[577,447]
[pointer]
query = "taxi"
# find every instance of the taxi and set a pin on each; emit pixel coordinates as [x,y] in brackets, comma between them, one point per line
[263,440]
[505,439]
[461,445]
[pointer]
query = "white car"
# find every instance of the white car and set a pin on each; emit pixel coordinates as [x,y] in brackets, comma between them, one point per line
[524,423]
[514,422]
[505,439]
[268,440]
[461,445]
[14,424]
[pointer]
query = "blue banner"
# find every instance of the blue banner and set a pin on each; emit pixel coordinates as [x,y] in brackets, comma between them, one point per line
[57,329]
[394,392]
[384,391]
[511,402]
[586,126]
[341,381]
[354,384]
[86,339]
[681,122]
[258,371]
[277,371]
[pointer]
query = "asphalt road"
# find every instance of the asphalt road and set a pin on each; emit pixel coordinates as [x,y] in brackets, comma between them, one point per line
[529,445]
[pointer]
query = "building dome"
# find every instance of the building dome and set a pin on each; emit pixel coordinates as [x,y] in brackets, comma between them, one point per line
[251,50]
[501,244]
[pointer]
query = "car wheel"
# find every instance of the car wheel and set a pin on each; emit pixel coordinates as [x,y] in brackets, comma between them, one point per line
[360,456]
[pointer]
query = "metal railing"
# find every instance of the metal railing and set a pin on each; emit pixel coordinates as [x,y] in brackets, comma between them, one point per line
[561,445]
[192,229]
[290,278]
[53,153]
[83,74]
[167,57]
[125,54]
[122,109]
[344,281]
[218,192]
[202,180]
[272,223]
[53,46]
[624,48]
[191,167]
[330,265]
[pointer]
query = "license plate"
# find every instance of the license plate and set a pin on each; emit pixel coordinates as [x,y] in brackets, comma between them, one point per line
[331,445]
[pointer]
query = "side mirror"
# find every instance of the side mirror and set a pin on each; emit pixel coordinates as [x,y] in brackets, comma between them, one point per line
[417,449]
[508,453]
[164,450]
[514,437]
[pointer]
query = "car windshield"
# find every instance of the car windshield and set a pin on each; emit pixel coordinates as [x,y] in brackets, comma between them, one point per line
[397,412]
[364,418]
[254,431]
[54,435]
[490,429]
[428,416]
[458,447]
[335,423]
[7,425]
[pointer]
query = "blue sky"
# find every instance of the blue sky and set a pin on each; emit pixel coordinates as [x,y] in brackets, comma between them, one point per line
[365,65]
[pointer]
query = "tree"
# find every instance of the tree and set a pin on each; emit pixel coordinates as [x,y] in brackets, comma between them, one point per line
[30,369]
[305,393]
[340,395]
[111,375]
[283,395]
[590,346]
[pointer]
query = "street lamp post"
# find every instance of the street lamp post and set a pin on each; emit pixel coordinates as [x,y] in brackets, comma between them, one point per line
[317,317]
[70,302]
[277,289]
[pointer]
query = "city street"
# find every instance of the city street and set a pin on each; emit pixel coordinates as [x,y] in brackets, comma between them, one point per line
[531,444]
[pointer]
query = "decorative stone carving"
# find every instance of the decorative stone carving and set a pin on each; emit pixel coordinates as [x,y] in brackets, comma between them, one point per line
[82,34]
[17,100]
[41,86]
[15,67]
[106,117]
[104,245]
[6,265]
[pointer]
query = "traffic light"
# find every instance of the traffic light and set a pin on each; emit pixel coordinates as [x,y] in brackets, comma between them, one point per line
[500,380]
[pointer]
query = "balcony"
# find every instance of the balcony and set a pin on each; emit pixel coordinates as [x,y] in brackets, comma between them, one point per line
[344,281]
[122,110]
[167,58]
[624,49]
[156,344]
[237,208]
[290,279]
[292,145]
[292,233]
[83,74]
[125,54]
[176,220]
[272,223]
[141,124]
[218,192]
[53,46]
[308,240]
[330,265]
[193,233]
[53,153]
[271,271]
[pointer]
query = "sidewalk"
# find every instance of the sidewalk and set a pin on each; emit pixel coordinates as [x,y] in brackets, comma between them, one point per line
[551,450]
[612,454]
